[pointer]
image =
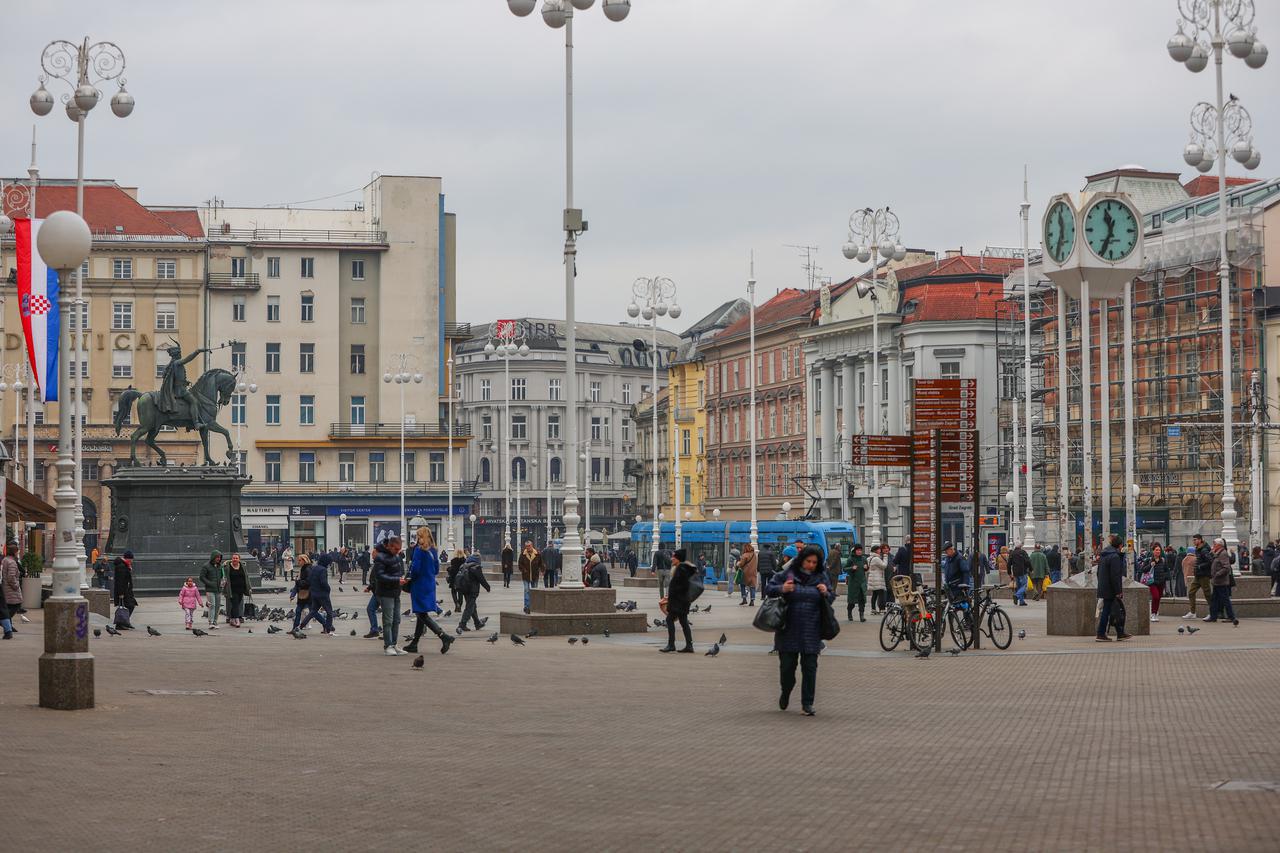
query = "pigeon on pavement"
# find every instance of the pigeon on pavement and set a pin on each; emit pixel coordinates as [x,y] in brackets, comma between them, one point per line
[152,632]
[1181,630]
[724,640]
[585,641]
[925,652]
[353,632]
[419,662]
[707,609]
[274,629]
[533,632]
[97,632]
[957,650]
[1022,634]
[573,640]
[713,651]
[606,630]
[196,632]
[515,638]
[493,638]
[112,631]
[1191,629]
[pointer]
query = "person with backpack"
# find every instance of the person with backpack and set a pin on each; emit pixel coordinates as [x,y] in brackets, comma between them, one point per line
[807,591]
[1019,569]
[471,579]
[686,586]
[748,574]
[212,578]
[1111,590]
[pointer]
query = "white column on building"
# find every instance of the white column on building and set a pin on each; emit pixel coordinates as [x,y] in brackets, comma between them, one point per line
[811,437]
[895,391]
[849,406]
[868,414]
[827,375]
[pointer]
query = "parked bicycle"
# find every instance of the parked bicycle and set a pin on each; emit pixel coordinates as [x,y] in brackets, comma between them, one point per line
[990,618]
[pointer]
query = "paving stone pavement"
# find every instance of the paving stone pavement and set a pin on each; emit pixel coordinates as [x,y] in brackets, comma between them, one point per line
[326,744]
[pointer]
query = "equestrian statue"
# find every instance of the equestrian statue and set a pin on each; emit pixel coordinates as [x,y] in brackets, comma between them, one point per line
[179,404]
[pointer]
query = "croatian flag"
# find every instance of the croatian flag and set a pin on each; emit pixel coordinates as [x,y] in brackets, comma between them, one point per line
[38,304]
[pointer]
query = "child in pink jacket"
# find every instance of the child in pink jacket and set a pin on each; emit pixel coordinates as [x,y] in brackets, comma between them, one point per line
[189,599]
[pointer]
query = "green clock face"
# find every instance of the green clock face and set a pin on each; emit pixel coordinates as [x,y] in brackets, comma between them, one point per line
[1059,231]
[1111,230]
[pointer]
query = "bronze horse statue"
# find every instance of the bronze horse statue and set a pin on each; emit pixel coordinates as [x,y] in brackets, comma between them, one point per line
[210,391]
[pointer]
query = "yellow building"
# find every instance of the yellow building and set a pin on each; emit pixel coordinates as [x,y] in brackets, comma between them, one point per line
[687,430]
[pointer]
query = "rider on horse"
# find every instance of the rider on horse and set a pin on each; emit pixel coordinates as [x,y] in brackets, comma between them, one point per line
[175,397]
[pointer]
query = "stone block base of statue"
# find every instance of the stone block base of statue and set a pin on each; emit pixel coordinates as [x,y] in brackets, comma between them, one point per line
[171,518]
[1072,607]
[563,612]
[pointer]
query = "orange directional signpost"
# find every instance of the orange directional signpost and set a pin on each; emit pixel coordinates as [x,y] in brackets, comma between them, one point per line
[886,451]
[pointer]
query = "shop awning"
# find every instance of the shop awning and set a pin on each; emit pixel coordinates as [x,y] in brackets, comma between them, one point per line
[22,505]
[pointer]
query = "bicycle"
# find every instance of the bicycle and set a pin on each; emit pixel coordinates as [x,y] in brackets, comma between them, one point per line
[998,627]
[909,617]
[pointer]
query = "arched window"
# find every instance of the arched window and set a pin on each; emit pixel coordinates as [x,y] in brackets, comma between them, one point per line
[486,471]
[555,469]
[518,469]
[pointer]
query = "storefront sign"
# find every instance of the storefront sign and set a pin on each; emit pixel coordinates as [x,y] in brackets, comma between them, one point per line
[306,512]
[265,510]
[394,510]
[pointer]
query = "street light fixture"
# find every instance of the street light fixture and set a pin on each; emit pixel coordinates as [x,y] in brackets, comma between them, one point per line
[872,232]
[244,386]
[507,339]
[1218,130]
[473,529]
[402,377]
[573,224]
[653,298]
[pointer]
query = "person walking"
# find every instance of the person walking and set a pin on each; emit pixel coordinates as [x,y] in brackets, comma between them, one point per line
[1222,579]
[213,577]
[387,572]
[238,589]
[424,567]
[508,566]
[531,566]
[662,568]
[1111,575]
[189,599]
[321,592]
[748,573]
[1201,579]
[1039,571]
[678,600]
[877,578]
[1155,577]
[301,592]
[363,562]
[632,561]
[471,578]
[1019,569]
[1055,564]
[552,562]
[803,586]
[598,573]
[902,560]
[766,565]
[855,582]
[123,594]
[10,589]
[287,559]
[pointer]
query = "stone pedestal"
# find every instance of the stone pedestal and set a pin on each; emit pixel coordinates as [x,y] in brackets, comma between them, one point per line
[171,518]
[99,601]
[565,612]
[650,582]
[66,667]
[1073,607]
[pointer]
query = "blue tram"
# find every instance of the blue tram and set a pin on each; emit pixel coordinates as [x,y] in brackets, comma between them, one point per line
[709,542]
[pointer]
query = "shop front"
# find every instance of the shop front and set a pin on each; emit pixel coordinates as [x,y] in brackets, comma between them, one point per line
[266,527]
[307,531]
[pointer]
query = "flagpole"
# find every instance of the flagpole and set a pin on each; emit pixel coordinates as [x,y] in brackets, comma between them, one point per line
[33,177]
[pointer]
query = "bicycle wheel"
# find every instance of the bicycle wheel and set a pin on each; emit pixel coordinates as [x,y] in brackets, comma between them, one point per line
[958,627]
[999,628]
[891,629]
[920,633]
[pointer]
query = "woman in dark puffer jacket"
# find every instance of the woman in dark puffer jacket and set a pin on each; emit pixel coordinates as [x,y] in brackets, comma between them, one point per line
[803,586]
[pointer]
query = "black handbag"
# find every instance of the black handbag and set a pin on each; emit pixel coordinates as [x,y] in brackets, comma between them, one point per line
[772,615]
[830,628]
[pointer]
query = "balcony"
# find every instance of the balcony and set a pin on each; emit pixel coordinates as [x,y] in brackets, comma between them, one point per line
[224,232]
[227,281]
[457,330]
[684,415]
[433,429]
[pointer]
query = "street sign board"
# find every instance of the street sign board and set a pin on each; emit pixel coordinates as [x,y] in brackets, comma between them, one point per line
[1173,431]
[924,498]
[880,450]
[945,404]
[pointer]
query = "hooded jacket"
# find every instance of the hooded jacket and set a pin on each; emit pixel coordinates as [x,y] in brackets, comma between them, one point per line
[1110,573]
[212,573]
[387,572]
[803,631]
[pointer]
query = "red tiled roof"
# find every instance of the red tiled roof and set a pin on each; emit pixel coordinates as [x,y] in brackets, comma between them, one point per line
[967,300]
[184,219]
[1203,185]
[790,303]
[974,265]
[108,209]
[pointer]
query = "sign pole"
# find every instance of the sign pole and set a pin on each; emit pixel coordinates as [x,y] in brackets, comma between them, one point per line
[937,544]
[977,552]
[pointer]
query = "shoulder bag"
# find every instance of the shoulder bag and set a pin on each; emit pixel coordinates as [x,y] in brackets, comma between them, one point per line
[830,627]
[772,615]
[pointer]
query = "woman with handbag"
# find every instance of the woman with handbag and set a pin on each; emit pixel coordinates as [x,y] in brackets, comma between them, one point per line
[808,593]
[424,566]
[747,574]
[123,591]
[1155,577]
[877,569]
[676,604]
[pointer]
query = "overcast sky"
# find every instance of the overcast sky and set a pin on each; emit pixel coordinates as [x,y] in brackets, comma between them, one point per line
[705,128]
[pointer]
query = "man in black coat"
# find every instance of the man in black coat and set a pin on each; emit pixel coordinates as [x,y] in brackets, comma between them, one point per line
[1019,568]
[388,571]
[469,582]
[766,566]
[662,568]
[633,562]
[1055,564]
[1111,590]
[365,561]
[1203,577]
[551,562]
[902,560]
[679,599]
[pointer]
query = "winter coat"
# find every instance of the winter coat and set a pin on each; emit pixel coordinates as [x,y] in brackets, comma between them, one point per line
[238,582]
[507,560]
[1055,559]
[1082,562]
[531,566]
[1159,570]
[803,632]
[471,579]
[902,561]
[10,572]
[319,577]
[678,590]
[955,571]
[451,573]
[749,564]
[661,561]
[1220,569]
[124,582]
[1204,561]
[600,575]
[212,574]
[189,597]
[1019,563]
[876,567]
[422,580]
[1039,565]
[766,562]
[857,578]
[1110,574]
[387,572]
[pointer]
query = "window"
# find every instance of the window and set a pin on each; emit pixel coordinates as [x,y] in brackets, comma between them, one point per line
[688,490]
[553,426]
[237,309]
[273,309]
[595,469]
[347,466]
[518,386]
[273,267]
[273,358]
[84,316]
[357,410]
[306,466]
[122,364]
[357,358]
[357,309]
[307,358]
[242,463]
[519,427]
[435,467]
[166,316]
[409,467]
[88,469]
[626,429]
[237,409]
[554,468]
[273,466]
[84,269]
[702,396]
[377,466]
[121,316]
[1193,449]
[701,441]
[518,469]
[486,389]
[595,392]
[307,409]
[486,471]
[486,428]
[273,409]
[949,369]
[736,375]
[238,356]
[595,429]
[685,437]
[308,268]
[553,389]
[121,268]
[308,307]
[237,267]
[357,270]
[166,268]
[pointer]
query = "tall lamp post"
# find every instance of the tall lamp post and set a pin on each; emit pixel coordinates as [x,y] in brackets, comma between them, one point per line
[66,667]
[402,377]
[754,534]
[557,14]
[507,338]
[1029,519]
[873,232]
[652,298]
[244,387]
[1218,130]
[472,518]
[90,65]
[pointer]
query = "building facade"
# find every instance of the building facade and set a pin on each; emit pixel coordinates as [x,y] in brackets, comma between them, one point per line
[527,457]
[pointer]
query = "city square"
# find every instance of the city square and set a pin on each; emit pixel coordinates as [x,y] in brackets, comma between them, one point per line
[733,448]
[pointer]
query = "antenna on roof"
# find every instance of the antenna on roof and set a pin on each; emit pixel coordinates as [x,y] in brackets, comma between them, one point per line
[810,266]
